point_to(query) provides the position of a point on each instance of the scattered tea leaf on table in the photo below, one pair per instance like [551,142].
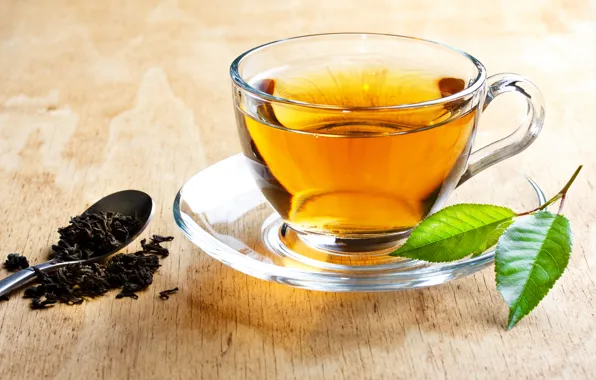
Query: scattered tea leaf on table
[165,294]
[531,255]
[456,232]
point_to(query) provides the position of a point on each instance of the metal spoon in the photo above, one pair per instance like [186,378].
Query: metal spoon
[127,202]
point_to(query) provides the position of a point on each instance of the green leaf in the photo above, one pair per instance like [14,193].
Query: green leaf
[455,232]
[531,255]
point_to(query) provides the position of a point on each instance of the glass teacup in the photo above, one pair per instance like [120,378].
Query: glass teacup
[355,138]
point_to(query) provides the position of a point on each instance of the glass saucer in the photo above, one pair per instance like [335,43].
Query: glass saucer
[222,211]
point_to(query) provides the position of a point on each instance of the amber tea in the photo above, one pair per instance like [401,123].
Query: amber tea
[345,162]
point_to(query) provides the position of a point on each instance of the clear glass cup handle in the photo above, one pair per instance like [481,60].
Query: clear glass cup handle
[522,137]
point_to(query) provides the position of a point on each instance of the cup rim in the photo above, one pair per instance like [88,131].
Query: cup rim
[470,89]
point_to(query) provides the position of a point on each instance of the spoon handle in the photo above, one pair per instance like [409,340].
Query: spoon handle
[21,278]
[16,280]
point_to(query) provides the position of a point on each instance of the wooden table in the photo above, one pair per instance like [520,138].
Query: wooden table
[98,96]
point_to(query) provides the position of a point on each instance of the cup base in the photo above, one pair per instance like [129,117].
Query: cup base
[327,251]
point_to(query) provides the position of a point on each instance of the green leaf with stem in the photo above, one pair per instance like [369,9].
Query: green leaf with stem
[531,255]
[533,247]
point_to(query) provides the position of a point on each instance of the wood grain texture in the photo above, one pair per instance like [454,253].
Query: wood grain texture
[98,96]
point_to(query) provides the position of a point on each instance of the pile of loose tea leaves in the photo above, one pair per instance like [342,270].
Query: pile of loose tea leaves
[92,234]
[129,272]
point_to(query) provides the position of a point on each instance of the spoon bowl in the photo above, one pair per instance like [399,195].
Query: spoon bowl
[126,202]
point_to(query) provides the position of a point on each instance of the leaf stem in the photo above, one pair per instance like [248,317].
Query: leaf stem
[571,180]
[548,203]
[563,197]
[560,195]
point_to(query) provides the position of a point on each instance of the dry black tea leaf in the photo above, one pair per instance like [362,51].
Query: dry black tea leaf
[37,303]
[165,294]
[15,262]
[130,295]
[161,239]
[155,247]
